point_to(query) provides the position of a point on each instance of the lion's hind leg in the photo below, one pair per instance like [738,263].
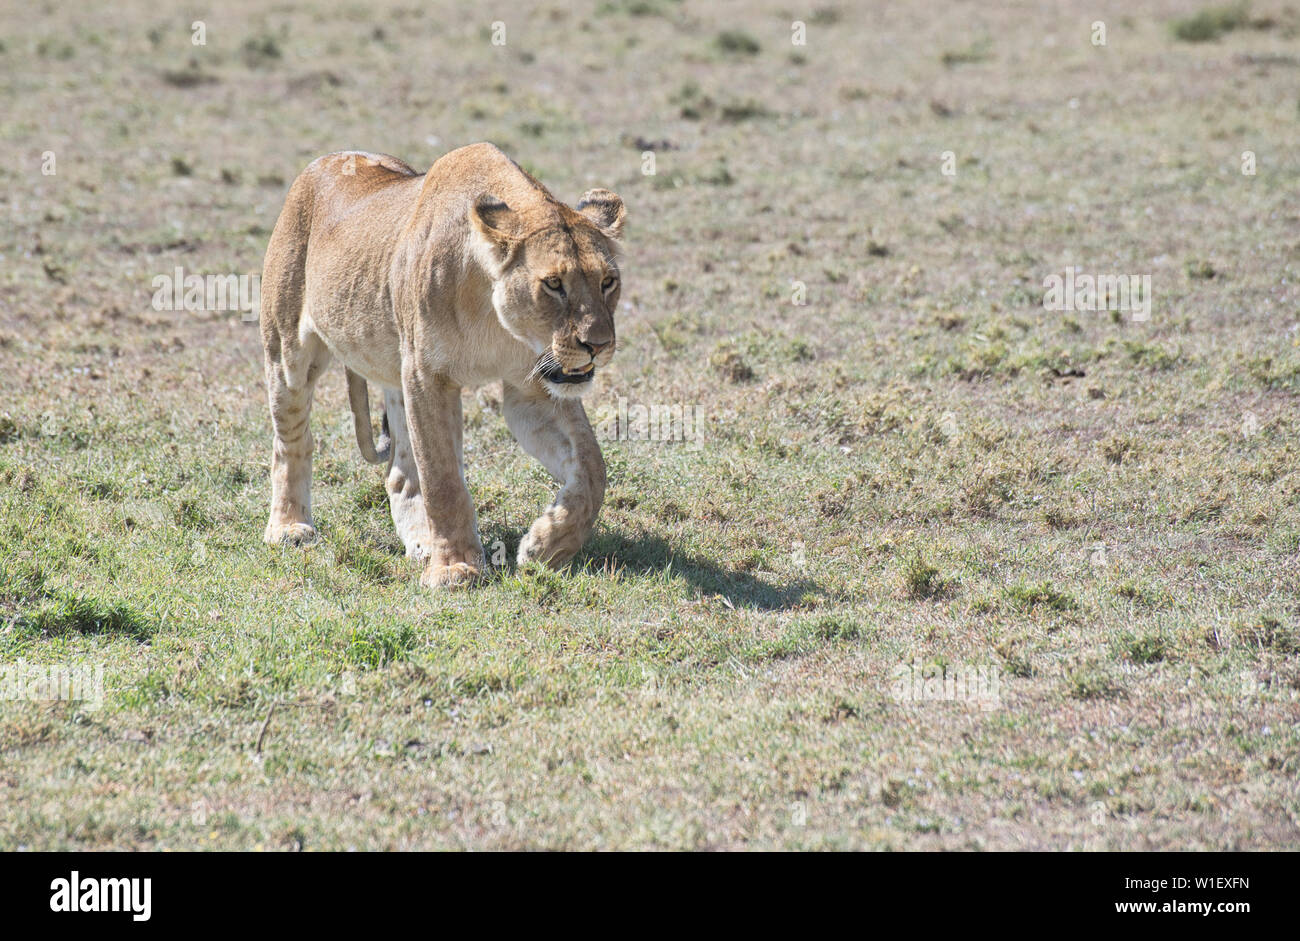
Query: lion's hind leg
[403,482]
[295,358]
[291,374]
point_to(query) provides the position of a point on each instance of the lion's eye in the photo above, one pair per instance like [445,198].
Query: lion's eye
[555,284]
[608,283]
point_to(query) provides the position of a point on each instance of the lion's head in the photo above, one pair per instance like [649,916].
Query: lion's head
[555,281]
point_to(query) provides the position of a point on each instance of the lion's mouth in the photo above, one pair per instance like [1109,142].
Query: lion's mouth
[555,373]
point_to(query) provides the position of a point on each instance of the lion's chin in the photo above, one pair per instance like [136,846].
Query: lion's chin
[569,390]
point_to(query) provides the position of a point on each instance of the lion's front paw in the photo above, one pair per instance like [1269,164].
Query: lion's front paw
[548,544]
[290,534]
[456,575]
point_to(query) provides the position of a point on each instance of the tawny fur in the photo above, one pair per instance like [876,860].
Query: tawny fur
[423,285]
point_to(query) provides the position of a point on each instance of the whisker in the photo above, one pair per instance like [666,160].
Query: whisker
[543,365]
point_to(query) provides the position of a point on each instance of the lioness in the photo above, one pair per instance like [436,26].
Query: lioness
[423,284]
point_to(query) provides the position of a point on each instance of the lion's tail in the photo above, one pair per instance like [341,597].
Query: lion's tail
[359,399]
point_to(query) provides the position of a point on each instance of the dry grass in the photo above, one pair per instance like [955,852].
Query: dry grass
[919,465]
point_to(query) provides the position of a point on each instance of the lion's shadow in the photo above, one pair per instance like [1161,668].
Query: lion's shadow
[647,554]
[644,554]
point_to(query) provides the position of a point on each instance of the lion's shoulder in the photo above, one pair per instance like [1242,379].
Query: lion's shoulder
[461,175]
[360,167]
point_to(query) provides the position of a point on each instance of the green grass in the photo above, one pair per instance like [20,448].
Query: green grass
[1211,22]
[737,42]
[59,615]
[908,461]
[969,55]
[921,579]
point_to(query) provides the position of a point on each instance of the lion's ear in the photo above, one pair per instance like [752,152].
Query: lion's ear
[605,209]
[494,221]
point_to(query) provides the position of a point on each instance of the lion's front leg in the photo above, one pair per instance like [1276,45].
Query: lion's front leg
[434,422]
[557,433]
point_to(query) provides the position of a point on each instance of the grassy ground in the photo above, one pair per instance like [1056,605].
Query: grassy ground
[918,466]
